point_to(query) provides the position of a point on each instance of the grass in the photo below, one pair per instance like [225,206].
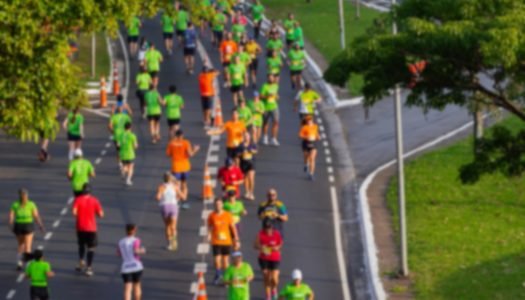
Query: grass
[464,242]
[83,57]
[320,23]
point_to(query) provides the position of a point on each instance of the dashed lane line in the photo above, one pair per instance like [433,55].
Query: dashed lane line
[10,294]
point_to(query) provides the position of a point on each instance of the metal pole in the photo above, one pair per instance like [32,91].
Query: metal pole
[93,55]
[400,172]
[342,24]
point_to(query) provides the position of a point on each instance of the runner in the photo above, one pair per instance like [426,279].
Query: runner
[238,277]
[128,145]
[153,58]
[253,49]
[274,65]
[79,172]
[43,154]
[38,271]
[246,116]
[174,103]
[230,175]
[129,249]
[289,28]
[86,208]
[298,34]
[274,210]
[270,96]
[190,46]
[120,103]
[154,101]
[144,81]
[227,48]
[168,194]
[296,289]
[258,109]
[235,130]
[218,22]
[296,61]
[225,6]
[234,207]
[143,48]
[273,30]
[116,127]
[180,151]
[74,125]
[257,17]
[238,28]
[223,236]
[207,91]
[167,23]
[181,21]
[306,101]
[269,243]
[309,135]
[237,77]
[133,35]
[249,149]
[274,44]
[22,217]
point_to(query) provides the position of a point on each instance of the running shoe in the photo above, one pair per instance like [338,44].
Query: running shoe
[275,142]
[265,140]
[185,205]
[89,272]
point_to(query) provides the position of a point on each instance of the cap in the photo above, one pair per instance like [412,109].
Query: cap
[78,152]
[237,254]
[297,274]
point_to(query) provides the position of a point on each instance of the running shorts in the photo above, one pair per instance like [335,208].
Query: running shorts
[167,35]
[296,72]
[180,33]
[73,137]
[233,152]
[132,277]
[23,228]
[218,36]
[153,74]
[254,65]
[188,51]
[87,238]
[269,264]
[172,122]
[154,117]
[308,145]
[38,293]
[133,38]
[221,250]
[247,166]
[235,88]
[272,115]
[207,102]
[181,176]
[169,210]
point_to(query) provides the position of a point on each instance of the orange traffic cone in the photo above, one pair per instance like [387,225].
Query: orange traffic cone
[103,93]
[116,85]
[201,289]
[207,188]
[218,121]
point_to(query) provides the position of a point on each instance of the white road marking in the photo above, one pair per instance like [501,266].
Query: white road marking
[208,202]
[200,267]
[103,152]
[108,144]
[20,277]
[330,170]
[203,231]
[193,288]
[70,200]
[321,128]
[327,152]
[331,179]
[48,235]
[11,294]
[63,211]
[319,120]
[205,214]
[328,160]
[213,158]
[98,160]
[325,143]
[316,112]
[97,112]
[214,148]
[56,223]
[203,248]
[323,136]
[213,171]
[341,263]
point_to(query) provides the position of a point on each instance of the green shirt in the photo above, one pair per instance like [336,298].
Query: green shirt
[246,59]
[181,20]
[274,44]
[127,145]
[23,214]
[245,115]
[73,126]
[237,72]
[289,28]
[37,271]
[269,94]
[293,292]
[238,30]
[134,27]
[240,287]
[218,22]
[118,121]
[236,209]
[80,170]
[298,36]
[143,81]
[152,98]
[174,103]
[257,112]
[257,12]
[296,59]
[153,58]
[167,23]
[274,65]
[308,99]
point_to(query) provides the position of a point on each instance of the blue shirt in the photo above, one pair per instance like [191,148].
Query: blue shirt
[190,38]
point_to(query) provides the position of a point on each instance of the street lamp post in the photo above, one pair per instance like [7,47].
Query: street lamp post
[400,171]
[342,24]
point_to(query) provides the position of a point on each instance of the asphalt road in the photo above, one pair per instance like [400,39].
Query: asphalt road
[309,242]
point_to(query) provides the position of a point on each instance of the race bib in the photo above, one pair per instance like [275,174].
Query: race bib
[272,99]
[311,138]
[221,236]
[267,250]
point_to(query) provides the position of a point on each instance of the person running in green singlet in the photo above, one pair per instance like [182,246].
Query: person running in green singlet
[274,44]
[116,127]
[153,58]
[167,22]
[296,290]
[234,206]
[296,61]
[181,22]
[289,26]
[298,34]
[257,16]
[258,109]
[153,112]
[237,77]
[74,125]
[237,278]
[133,35]
[270,97]
[218,22]
[79,172]
[38,271]
[128,145]
[143,81]
[274,64]
[174,103]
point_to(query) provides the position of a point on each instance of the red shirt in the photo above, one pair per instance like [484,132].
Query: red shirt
[229,176]
[268,241]
[87,208]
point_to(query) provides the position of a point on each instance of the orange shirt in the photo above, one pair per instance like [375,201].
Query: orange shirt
[309,132]
[228,48]
[206,83]
[179,151]
[234,133]
[219,225]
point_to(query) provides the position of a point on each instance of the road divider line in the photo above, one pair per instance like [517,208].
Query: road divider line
[327,152]
[10,294]
[200,267]
[63,211]
[108,144]
[98,160]
[205,213]
[341,263]
[103,152]
[328,160]
[70,200]
[203,248]
[203,231]
[56,223]
[213,159]
[48,236]
[20,277]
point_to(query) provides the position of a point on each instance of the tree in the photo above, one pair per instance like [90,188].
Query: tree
[474,53]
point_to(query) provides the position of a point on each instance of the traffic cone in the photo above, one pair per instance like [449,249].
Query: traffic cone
[103,93]
[201,289]
[116,85]
[207,188]
[217,120]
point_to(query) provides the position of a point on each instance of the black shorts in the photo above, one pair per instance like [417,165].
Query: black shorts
[308,145]
[233,152]
[247,166]
[153,74]
[235,88]
[140,95]
[180,32]
[207,102]
[218,35]
[167,35]
[73,137]
[221,250]
[154,117]
[289,42]
[189,51]
[38,293]
[127,162]
[23,228]
[87,238]
[133,38]
[78,193]
[116,145]
[132,277]
[269,53]
[172,122]
[254,65]
[296,72]
[269,264]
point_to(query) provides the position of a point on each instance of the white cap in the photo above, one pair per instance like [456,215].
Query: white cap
[297,274]
[78,152]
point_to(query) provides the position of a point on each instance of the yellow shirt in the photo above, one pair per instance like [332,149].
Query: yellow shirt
[252,48]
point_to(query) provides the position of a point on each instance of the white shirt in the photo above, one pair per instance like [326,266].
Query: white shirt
[130,261]
[169,195]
